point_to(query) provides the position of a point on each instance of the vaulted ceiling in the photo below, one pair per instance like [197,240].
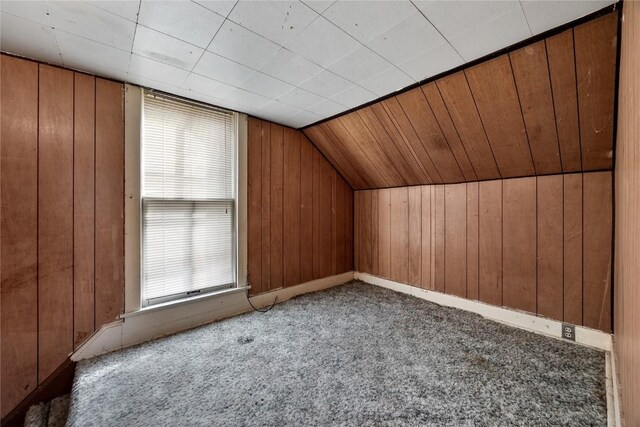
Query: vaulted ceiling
[545,108]
[291,62]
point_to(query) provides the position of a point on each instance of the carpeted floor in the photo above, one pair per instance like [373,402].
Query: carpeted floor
[352,355]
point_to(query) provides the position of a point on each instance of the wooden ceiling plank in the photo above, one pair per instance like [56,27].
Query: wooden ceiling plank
[418,112]
[531,73]
[402,123]
[359,153]
[562,69]
[388,144]
[401,144]
[337,158]
[443,119]
[595,50]
[356,127]
[494,91]
[460,105]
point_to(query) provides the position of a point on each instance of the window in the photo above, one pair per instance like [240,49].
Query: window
[188,199]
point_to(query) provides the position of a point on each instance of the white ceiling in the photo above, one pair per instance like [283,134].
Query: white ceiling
[292,62]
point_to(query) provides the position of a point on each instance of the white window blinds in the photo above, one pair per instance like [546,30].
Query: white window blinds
[187,198]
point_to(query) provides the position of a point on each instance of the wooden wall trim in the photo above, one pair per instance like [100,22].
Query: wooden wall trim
[536,244]
[546,107]
[626,288]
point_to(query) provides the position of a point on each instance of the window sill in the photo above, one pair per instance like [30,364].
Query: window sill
[183,301]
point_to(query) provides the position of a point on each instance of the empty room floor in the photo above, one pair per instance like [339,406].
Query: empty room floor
[356,354]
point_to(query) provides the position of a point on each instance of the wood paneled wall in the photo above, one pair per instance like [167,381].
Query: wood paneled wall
[62,217]
[546,108]
[627,235]
[538,244]
[300,211]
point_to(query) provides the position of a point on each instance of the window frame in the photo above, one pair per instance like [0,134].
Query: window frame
[134,285]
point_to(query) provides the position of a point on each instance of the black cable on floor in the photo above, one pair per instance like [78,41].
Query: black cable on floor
[259,310]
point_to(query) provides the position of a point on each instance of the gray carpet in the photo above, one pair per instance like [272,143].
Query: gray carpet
[352,355]
[48,414]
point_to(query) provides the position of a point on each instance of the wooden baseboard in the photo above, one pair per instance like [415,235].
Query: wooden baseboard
[56,384]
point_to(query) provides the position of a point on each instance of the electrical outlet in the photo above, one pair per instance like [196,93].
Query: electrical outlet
[569,331]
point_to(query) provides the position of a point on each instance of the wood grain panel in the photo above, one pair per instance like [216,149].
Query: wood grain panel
[438,246]
[334,223]
[627,219]
[405,127]
[572,243]
[519,244]
[384,225]
[597,217]
[55,218]
[389,146]
[399,140]
[291,207]
[322,171]
[496,97]
[109,233]
[254,199]
[349,219]
[277,200]
[490,242]
[426,281]
[550,246]
[464,114]
[375,234]
[562,72]
[417,109]
[443,119]
[83,207]
[19,245]
[472,240]
[415,235]
[306,210]
[399,234]
[531,73]
[595,50]
[455,237]
[366,232]
[357,222]
[266,206]
[325,141]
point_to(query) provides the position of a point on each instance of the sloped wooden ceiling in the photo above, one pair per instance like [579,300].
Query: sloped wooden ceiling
[545,108]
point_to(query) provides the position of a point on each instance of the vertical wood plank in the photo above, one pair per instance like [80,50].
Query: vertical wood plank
[306,210]
[375,234]
[562,70]
[349,225]
[277,200]
[321,216]
[572,244]
[384,225]
[495,94]
[426,238]
[334,223]
[343,230]
[595,50]
[490,242]
[254,196]
[367,225]
[19,244]
[399,235]
[266,206]
[531,73]
[459,101]
[519,244]
[597,236]
[472,240]
[439,238]
[550,246]
[357,222]
[456,240]
[291,210]
[55,219]
[415,235]
[83,206]
[109,232]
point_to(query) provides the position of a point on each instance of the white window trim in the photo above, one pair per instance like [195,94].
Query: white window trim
[132,204]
